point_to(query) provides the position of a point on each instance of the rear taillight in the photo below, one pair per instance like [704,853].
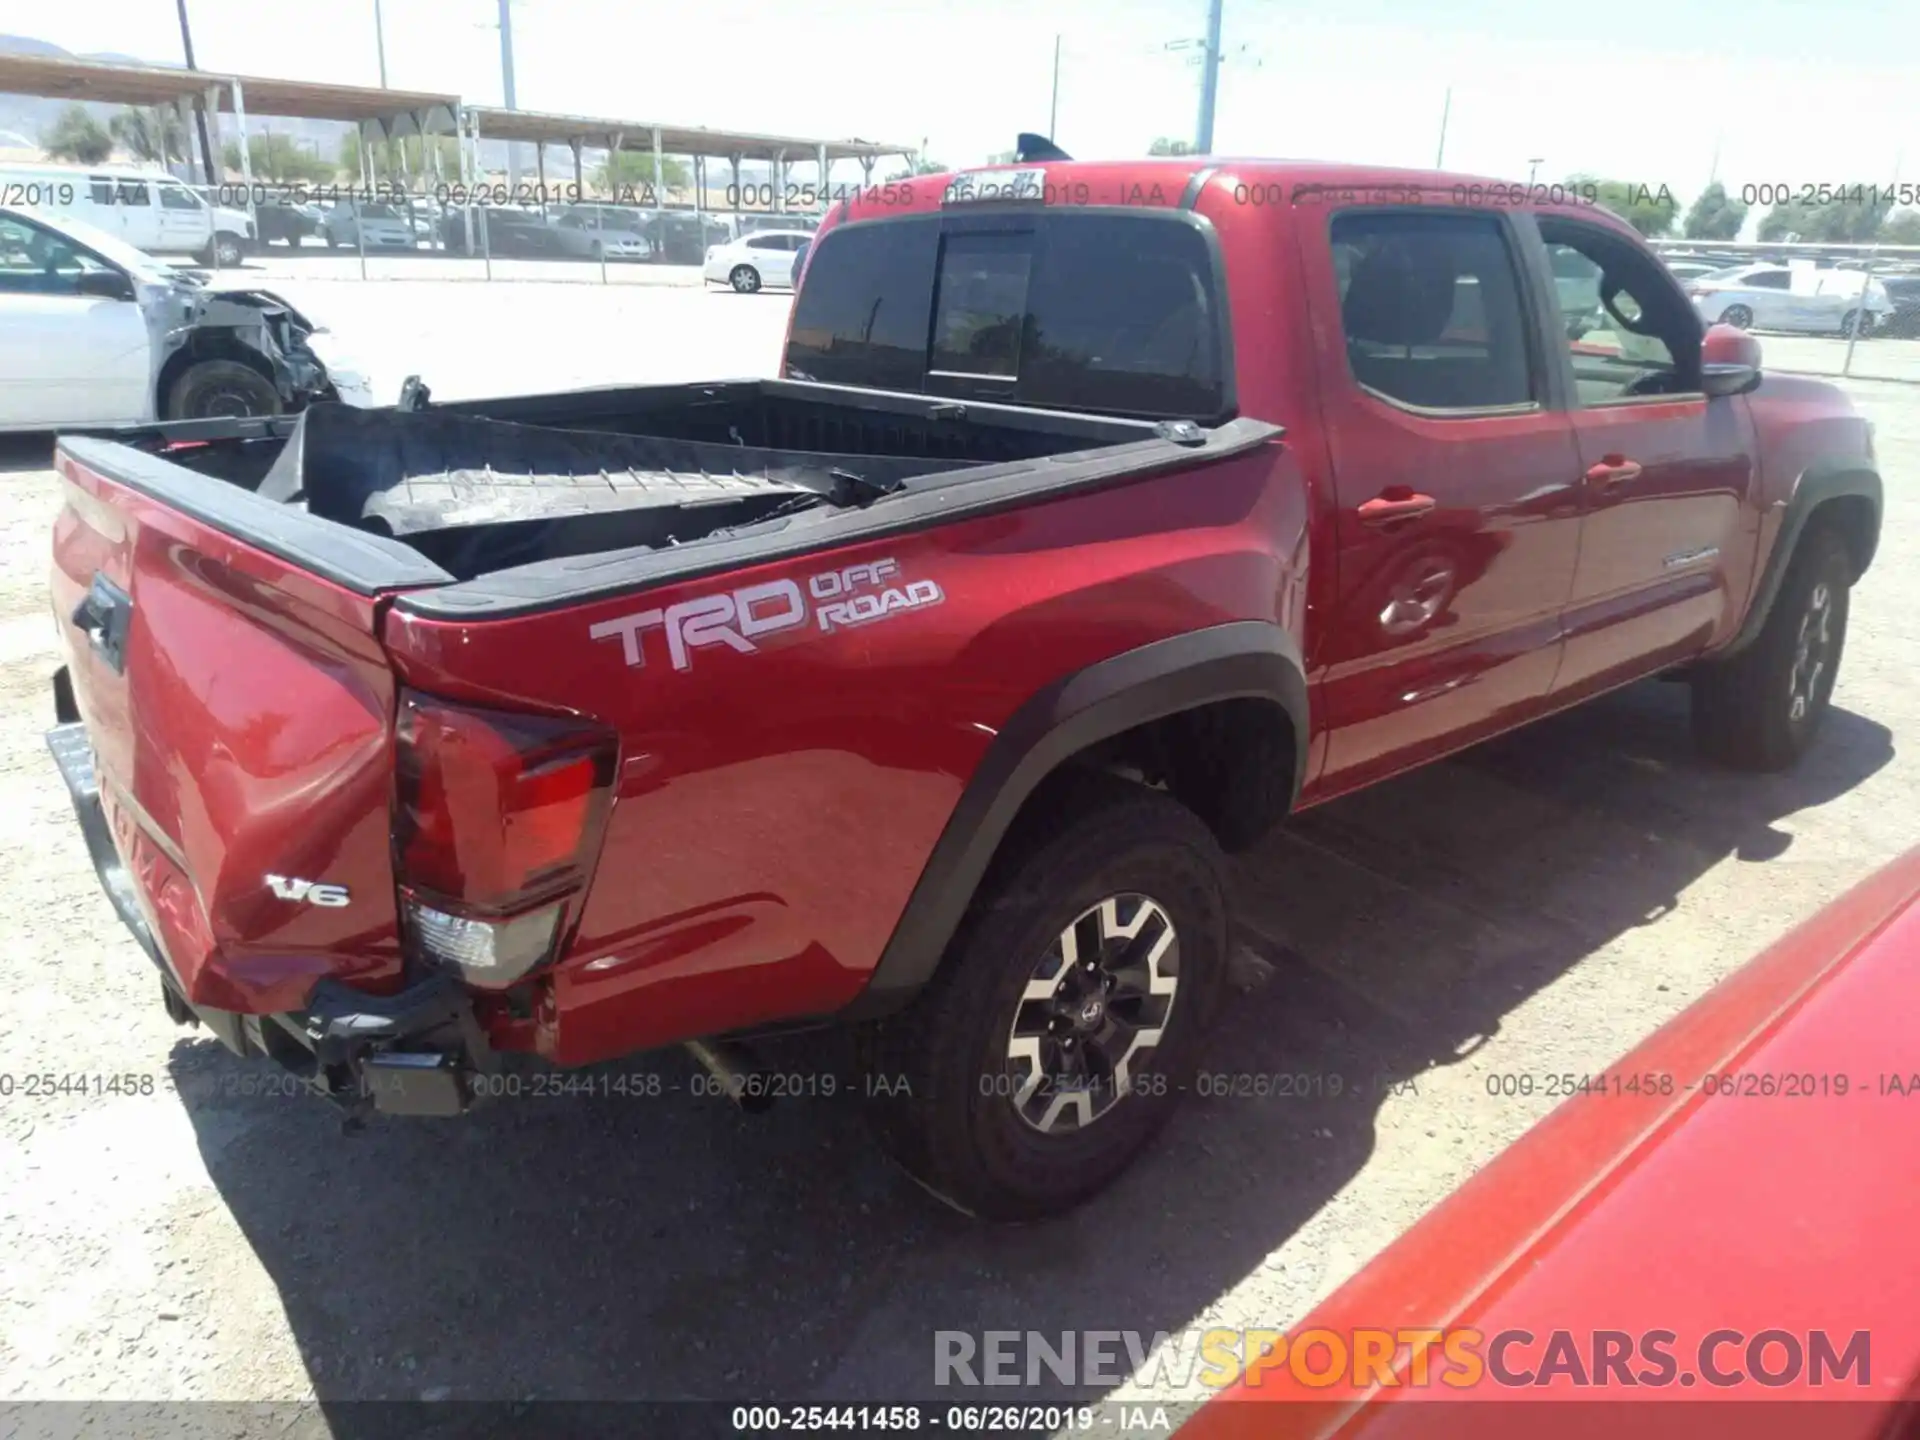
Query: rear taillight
[497,818]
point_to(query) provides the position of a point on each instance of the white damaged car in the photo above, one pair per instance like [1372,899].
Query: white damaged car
[95,332]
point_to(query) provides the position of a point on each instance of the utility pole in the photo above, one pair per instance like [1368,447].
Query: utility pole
[1533,169]
[1053,110]
[1446,109]
[1209,79]
[199,101]
[380,43]
[506,86]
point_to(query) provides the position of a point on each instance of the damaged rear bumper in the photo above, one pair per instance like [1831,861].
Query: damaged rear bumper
[415,1052]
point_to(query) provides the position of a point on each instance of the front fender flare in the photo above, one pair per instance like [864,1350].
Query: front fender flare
[1241,659]
[1819,483]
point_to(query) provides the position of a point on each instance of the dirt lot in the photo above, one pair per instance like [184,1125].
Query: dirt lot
[1535,906]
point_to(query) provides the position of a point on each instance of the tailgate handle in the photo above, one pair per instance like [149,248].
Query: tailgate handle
[105,614]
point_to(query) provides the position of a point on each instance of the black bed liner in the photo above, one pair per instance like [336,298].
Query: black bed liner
[474,493]
[505,506]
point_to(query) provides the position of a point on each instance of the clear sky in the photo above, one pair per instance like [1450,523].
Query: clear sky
[1639,90]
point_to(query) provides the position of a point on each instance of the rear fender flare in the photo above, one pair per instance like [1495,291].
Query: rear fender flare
[1241,659]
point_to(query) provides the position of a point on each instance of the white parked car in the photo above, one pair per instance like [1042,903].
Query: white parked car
[151,212]
[380,225]
[745,225]
[1780,297]
[1685,270]
[593,232]
[763,258]
[95,332]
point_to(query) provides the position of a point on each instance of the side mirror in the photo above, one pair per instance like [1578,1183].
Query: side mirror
[104,285]
[1721,380]
[1729,361]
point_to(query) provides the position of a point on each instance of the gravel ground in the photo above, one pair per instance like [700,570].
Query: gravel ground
[1535,906]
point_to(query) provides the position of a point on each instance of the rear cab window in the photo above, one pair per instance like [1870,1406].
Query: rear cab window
[1083,309]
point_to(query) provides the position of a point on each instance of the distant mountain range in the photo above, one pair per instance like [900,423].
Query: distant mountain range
[27,116]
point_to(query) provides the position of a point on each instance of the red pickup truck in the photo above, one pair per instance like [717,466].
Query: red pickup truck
[1104,514]
[1708,1224]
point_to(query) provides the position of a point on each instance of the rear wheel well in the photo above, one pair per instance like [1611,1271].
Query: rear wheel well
[1230,761]
[1852,517]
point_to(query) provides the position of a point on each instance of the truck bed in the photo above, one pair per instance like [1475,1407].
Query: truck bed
[477,488]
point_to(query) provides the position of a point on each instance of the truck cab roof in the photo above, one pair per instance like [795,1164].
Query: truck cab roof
[1179,182]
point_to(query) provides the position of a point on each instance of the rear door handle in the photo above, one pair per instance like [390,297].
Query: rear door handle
[1612,470]
[1384,510]
[105,613]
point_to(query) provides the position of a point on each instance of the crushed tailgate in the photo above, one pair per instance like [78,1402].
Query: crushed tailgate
[237,712]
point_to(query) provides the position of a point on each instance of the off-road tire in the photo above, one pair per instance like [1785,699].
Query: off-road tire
[1743,709]
[930,1071]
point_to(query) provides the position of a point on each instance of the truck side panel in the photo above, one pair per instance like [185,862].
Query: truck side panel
[782,785]
[1277,357]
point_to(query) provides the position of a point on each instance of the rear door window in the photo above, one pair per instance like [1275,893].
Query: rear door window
[1073,310]
[1430,304]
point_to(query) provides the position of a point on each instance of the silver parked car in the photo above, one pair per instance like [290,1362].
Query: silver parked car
[380,225]
[593,231]
[1778,297]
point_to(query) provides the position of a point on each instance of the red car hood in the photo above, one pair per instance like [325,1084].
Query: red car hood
[1735,1204]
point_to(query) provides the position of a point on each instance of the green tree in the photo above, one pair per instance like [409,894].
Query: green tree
[920,164]
[154,136]
[1713,216]
[278,159]
[1166,146]
[408,158]
[1650,209]
[1783,221]
[1855,222]
[1902,229]
[629,173]
[420,151]
[77,136]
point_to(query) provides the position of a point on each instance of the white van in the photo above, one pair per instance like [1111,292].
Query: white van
[151,212]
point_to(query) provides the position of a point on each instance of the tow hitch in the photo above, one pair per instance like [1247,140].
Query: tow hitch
[414,1053]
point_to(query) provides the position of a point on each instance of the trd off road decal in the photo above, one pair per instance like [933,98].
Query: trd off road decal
[831,600]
